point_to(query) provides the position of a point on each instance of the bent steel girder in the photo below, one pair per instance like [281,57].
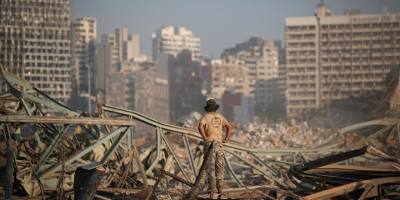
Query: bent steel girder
[54,140]
[359,173]
[373,132]
[47,166]
[25,91]
[235,153]
[107,142]
[365,186]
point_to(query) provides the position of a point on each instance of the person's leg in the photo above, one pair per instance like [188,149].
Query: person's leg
[208,178]
[203,176]
[211,170]
[219,167]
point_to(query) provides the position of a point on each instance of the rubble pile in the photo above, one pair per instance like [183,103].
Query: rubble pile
[190,121]
[63,154]
[285,135]
[263,134]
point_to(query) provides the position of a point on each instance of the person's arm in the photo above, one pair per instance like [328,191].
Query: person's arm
[228,134]
[202,131]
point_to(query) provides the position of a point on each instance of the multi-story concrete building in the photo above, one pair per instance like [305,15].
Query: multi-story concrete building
[120,89]
[127,45]
[152,93]
[118,48]
[172,40]
[185,85]
[332,57]
[83,62]
[140,87]
[110,43]
[237,107]
[107,58]
[227,75]
[282,67]
[114,51]
[259,59]
[35,44]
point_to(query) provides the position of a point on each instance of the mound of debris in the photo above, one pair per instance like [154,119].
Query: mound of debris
[50,151]
[285,135]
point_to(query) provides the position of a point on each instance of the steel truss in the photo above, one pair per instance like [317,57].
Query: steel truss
[49,141]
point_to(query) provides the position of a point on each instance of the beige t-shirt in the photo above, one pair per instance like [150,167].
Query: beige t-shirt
[213,123]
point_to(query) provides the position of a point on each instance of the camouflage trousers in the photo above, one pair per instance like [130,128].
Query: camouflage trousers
[215,167]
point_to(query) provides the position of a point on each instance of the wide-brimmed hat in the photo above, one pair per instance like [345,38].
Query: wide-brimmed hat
[211,105]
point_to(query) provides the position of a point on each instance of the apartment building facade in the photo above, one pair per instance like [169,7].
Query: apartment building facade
[84,36]
[115,50]
[172,40]
[259,60]
[141,87]
[127,45]
[258,57]
[152,93]
[35,44]
[226,75]
[332,57]
[185,85]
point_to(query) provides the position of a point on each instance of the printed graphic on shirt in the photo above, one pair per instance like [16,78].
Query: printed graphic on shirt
[216,122]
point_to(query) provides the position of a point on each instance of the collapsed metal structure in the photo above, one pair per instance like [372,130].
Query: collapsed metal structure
[52,151]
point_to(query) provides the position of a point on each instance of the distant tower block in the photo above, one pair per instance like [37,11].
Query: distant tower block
[35,44]
[172,40]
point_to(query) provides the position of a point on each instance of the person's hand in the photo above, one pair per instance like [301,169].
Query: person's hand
[224,141]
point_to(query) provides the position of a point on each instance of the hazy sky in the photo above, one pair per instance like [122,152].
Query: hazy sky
[218,23]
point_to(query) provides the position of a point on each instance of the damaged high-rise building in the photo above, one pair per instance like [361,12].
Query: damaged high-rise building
[115,51]
[172,40]
[186,82]
[84,34]
[259,59]
[142,87]
[332,57]
[35,44]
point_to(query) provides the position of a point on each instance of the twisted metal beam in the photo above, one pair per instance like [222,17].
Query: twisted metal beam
[116,136]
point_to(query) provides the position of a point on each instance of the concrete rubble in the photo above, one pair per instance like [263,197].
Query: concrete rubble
[263,134]
[285,135]
[64,154]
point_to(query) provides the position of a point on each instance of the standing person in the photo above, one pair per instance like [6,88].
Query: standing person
[211,129]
